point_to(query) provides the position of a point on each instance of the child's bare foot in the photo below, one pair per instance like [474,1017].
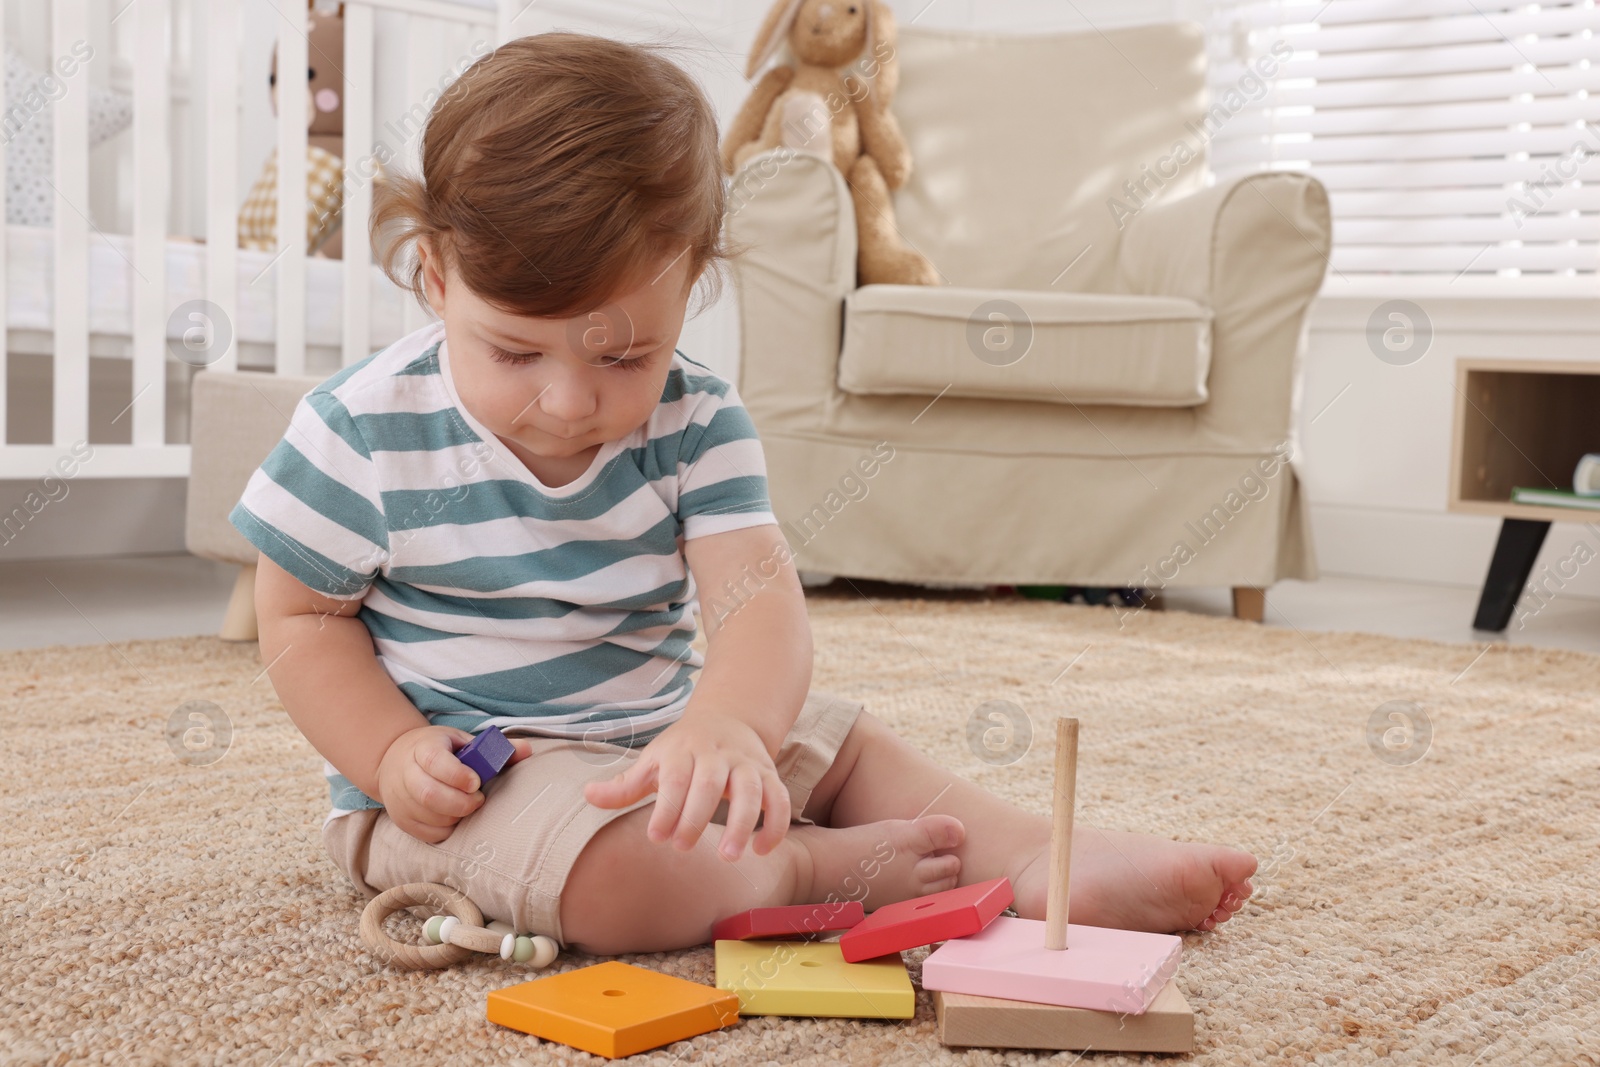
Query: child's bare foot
[1139,882]
[878,863]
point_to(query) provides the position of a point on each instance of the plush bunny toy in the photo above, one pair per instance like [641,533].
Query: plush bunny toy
[258,218]
[816,104]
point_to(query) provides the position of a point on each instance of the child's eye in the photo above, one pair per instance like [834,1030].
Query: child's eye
[500,355]
[636,363]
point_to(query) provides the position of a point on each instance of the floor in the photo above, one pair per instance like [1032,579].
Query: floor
[83,601]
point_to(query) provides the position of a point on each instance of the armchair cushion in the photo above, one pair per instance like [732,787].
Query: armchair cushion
[1062,348]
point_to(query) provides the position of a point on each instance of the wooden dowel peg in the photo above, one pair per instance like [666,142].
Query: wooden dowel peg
[1055,928]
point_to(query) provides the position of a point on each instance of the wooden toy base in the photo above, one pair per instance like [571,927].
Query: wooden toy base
[985,1022]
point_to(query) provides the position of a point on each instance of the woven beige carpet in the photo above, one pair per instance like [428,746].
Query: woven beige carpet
[1436,911]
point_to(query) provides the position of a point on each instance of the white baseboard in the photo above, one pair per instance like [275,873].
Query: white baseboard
[144,516]
[1444,548]
[95,517]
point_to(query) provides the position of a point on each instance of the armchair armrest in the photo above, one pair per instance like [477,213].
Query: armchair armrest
[1254,250]
[1230,242]
[791,228]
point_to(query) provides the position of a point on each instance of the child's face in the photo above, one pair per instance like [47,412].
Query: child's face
[569,384]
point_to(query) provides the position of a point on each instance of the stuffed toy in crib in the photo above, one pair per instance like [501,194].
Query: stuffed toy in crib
[258,219]
[832,98]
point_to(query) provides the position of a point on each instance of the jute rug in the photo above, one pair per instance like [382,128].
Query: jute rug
[1432,910]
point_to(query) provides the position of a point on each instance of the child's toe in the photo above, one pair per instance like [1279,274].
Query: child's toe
[935,833]
[1234,896]
[936,871]
[1234,867]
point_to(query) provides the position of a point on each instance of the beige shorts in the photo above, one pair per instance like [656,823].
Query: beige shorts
[512,856]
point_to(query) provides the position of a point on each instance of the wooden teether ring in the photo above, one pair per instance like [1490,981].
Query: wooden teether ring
[429,894]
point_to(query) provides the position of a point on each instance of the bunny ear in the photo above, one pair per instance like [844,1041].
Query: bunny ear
[882,38]
[772,33]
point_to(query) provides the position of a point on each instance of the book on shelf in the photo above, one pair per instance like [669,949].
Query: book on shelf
[1554,498]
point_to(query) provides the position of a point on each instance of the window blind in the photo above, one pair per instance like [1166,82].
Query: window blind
[1456,137]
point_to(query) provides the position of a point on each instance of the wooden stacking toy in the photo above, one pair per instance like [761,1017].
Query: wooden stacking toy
[986,1022]
[924,920]
[487,753]
[813,979]
[795,920]
[1115,974]
[613,1009]
[997,981]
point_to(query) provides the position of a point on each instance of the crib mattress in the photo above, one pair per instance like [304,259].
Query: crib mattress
[30,289]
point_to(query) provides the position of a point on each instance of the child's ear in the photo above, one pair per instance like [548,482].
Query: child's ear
[432,270]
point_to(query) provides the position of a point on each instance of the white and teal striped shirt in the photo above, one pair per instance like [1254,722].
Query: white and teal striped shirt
[493,599]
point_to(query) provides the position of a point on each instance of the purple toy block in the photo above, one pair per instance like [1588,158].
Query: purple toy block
[486,753]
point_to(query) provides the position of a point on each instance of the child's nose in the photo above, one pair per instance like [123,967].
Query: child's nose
[568,398]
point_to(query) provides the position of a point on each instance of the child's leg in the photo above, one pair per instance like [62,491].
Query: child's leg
[1129,881]
[627,894]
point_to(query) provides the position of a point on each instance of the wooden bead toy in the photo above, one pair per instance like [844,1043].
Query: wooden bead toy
[795,920]
[813,979]
[1166,1026]
[451,938]
[924,920]
[487,753]
[613,1009]
[1052,962]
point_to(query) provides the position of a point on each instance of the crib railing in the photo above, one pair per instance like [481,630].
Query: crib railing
[150,453]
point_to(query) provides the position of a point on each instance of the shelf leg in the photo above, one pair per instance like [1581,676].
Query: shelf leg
[1519,544]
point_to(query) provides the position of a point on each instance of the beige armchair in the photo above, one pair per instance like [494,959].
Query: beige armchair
[1103,391]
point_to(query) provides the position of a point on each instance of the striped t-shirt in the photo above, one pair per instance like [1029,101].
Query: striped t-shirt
[491,598]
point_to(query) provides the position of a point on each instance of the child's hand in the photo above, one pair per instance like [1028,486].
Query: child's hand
[693,765]
[425,788]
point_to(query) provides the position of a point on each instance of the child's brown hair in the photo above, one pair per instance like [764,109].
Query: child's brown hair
[555,170]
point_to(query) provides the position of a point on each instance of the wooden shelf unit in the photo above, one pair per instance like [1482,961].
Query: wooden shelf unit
[1519,423]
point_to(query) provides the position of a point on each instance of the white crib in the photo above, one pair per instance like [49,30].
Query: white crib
[73,291]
